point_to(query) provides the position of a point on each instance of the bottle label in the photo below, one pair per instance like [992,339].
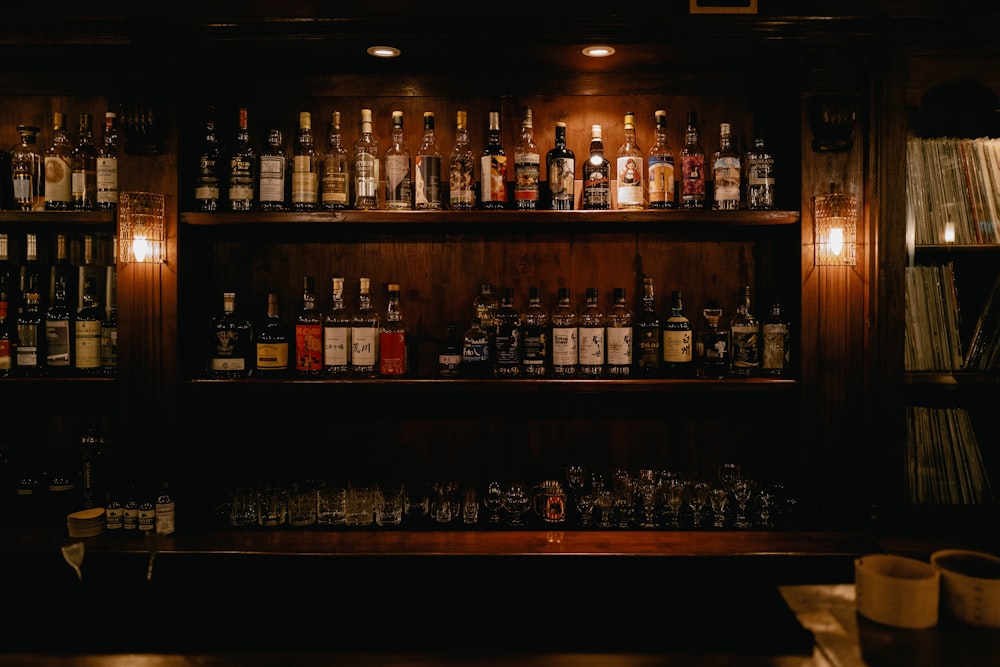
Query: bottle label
[308,348]
[165,518]
[535,344]
[562,179]
[677,346]
[392,353]
[364,346]
[746,350]
[113,517]
[461,182]
[507,344]
[336,346]
[130,518]
[661,180]
[88,344]
[427,181]
[146,518]
[649,349]
[775,356]
[629,182]
[241,186]
[494,170]
[272,356]
[366,175]
[57,339]
[107,180]
[272,178]
[334,185]
[591,351]
[526,171]
[305,180]
[6,363]
[693,177]
[564,346]
[397,181]
[27,355]
[726,175]
[619,341]
[109,345]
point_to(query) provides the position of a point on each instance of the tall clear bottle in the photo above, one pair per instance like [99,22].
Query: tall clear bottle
[461,168]
[536,342]
[336,174]
[678,341]
[230,353]
[366,165]
[59,316]
[83,187]
[273,168]
[493,169]
[398,168]
[392,358]
[305,167]
[758,177]
[592,330]
[208,184]
[427,169]
[59,167]
[28,170]
[692,166]
[107,165]
[337,333]
[308,333]
[87,332]
[242,168]
[649,336]
[31,347]
[776,355]
[565,333]
[744,337]
[527,163]
[272,343]
[726,173]
[596,174]
[364,334]
[660,163]
[560,165]
[619,336]
[507,337]
[629,169]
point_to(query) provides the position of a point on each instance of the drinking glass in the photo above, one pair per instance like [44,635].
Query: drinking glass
[493,501]
[623,488]
[585,501]
[648,491]
[674,495]
[697,497]
[517,502]
[718,498]
[743,489]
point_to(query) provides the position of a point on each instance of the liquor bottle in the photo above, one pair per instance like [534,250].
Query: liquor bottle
[493,167]
[366,165]
[107,165]
[744,338]
[242,168]
[678,341]
[726,173]
[130,510]
[392,361]
[334,186]
[758,164]
[776,355]
[271,348]
[114,511]
[208,186]
[592,355]
[305,167]
[109,326]
[93,478]
[87,332]
[660,165]
[59,317]
[31,348]
[692,166]
[364,334]
[146,512]
[565,350]
[560,165]
[59,167]
[712,346]
[28,170]
[8,331]
[507,340]
[272,167]
[308,333]
[619,337]
[450,356]
[461,168]
[230,343]
[165,507]
[427,169]
[398,168]
[477,362]
[596,174]
[536,341]
[337,334]
[648,334]
[629,169]
[83,184]
[527,161]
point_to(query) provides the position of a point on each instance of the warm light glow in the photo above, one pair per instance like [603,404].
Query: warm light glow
[836,241]
[140,248]
[383,51]
[140,227]
[599,51]
[835,229]
[949,232]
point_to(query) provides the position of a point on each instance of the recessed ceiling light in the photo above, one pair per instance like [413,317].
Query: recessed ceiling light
[599,51]
[383,51]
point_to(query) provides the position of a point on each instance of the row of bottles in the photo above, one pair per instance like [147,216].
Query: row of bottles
[307,179]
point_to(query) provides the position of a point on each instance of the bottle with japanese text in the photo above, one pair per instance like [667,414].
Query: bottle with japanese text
[591,337]
[308,333]
[83,187]
[109,325]
[596,174]
[364,334]
[565,332]
[692,166]
[305,167]
[427,169]
[776,355]
[660,166]
[648,334]
[527,164]
[726,173]
[629,169]
[618,336]
[493,169]
[461,168]
[87,332]
[507,339]
[744,338]
[28,170]
[712,346]
[366,165]
[208,184]
[272,343]
[678,341]
[230,351]
[398,168]
[484,306]
[560,165]
[536,341]
[477,358]
[335,177]
[758,163]
[59,167]
[31,349]
[107,165]
[59,316]
[272,166]
[337,333]
[392,359]
[450,355]
[242,168]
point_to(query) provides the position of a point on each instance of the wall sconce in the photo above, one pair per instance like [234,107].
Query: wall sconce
[832,121]
[836,226]
[140,227]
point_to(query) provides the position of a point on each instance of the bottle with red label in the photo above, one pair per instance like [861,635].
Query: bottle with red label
[392,338]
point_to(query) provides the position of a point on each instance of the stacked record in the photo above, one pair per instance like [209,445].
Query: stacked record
[86,523]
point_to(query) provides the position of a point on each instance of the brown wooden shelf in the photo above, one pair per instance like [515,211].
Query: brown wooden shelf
[56,218]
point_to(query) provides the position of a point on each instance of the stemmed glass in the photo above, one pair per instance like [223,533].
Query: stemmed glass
[743,489]
[697,496]
[648,490]
[493,501]
[624,497]
[718,498]
[517,502]
[675,499]
[576,479]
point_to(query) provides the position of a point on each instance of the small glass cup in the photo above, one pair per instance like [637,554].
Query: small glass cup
[331,501]
[360,506]
[389,502]
[272,506]
[302,504]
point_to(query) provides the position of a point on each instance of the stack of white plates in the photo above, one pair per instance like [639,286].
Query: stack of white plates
[86,523]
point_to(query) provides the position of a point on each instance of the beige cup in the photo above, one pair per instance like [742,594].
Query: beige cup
[970,586]
[897,591]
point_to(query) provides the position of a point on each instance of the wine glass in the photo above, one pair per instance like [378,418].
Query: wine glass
[675,499]
[718,498]
[743,489]
[517,502]
[493,501]
[648,490]
[586,499]
[697,497]
[623,488]
[576,478]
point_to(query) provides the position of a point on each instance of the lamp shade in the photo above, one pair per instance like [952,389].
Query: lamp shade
[140,227]
[836,223]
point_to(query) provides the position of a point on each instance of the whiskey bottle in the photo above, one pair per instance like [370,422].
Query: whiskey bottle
[87,332]
[242,168]
[493,167]
[507,340]
[648,334]
[776,355]
[59,167]
[272,343]
[165,508]
[692,166]
[130,510]
[337,334]
[450,356]
[678,341]
[596,174]
[28,170]
[726,173]
[484,306]
[83,187]
[59,316]
[758,164]
[565,332]
[660,164]
[744,338]
[560,165]
[334,188]
[272,167]
[109,326]
[427,169]
[527,161]
[629,166]
[230,351]
[364,335]
[392,360]
[461,168]
[107,165]
[712,347]
[208,185]
[305,167]
[366,165]
[8,332]
[618,336]
[94,471]
[398,168]
[146,511]
[536,351]
[592,354]
[31,349]
[477,362]
[308,333]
